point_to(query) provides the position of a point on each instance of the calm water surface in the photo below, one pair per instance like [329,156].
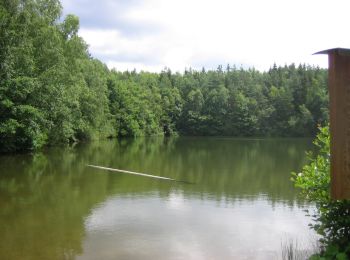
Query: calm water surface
[242,204]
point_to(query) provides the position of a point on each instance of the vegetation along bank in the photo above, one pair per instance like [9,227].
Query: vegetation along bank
[52,91]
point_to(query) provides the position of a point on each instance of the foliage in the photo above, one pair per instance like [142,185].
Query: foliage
[52,91]
[332,217]
[332,252]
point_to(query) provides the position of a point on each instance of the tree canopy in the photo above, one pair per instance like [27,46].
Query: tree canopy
[52,91]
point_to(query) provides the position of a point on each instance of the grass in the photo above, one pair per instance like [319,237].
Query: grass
[291,250]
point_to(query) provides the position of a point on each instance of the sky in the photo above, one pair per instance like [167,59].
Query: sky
[150,35]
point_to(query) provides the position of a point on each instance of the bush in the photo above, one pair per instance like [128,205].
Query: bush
[331,219]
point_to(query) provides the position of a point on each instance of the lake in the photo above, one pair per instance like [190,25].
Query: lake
[239,204]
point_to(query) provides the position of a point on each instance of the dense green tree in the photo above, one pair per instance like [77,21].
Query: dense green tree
[52,91]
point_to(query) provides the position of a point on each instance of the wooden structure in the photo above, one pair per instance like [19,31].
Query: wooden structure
[339,97]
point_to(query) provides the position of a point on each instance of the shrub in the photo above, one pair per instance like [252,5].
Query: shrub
[331,218]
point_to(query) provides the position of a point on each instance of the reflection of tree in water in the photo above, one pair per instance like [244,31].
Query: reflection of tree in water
[44,198]
[220,167]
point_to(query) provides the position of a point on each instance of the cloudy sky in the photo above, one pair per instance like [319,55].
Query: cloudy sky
[178,34]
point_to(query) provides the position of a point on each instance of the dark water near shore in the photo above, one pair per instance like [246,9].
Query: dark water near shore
[241,205]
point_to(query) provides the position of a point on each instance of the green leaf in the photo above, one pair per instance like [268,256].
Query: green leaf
[341,256]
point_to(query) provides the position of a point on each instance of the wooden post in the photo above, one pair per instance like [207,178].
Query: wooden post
[339,97]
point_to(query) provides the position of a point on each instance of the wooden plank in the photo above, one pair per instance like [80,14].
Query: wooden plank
[339,93]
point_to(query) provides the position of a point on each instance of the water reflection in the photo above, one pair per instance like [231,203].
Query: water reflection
[53,207]
[132,228]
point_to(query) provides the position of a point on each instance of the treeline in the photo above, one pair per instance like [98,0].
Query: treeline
[52,91]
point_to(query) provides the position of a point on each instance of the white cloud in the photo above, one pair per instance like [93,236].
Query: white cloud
[196,33]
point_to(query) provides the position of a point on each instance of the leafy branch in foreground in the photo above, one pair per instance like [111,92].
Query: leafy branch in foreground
[331,219]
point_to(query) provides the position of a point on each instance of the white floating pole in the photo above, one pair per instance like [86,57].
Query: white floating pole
[130,172]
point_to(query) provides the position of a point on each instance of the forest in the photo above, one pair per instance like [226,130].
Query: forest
[52,91]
